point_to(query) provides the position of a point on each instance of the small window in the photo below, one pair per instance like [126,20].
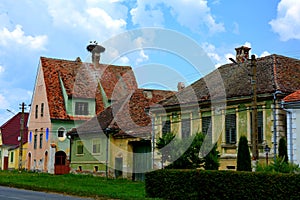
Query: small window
[61,132]
[79,147]
[36,111]
[81,108]
[41,140]
[95,168]
[260,127]
[30,137]
[11,156]
[230,128]
[35,141]
[185,127]
[42,109]
[96,146]
[166,126]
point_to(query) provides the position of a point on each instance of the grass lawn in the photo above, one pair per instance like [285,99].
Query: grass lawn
[79,185]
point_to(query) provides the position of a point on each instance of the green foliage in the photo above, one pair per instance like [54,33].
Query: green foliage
[184,154]
[211,160]
[225,185]
[282,149]
[279,166]
[164,148]
[243,155]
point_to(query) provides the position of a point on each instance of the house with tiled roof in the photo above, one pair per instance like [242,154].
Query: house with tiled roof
[291,105]
[220,105]
[119,137]
[10,142]
[66,94]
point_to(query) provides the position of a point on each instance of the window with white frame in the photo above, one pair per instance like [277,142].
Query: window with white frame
[81,108]
[96,146]
[79,147]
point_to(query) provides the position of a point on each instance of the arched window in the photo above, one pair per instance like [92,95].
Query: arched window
[61,134]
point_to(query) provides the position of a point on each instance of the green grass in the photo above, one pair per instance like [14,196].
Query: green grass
[79,185]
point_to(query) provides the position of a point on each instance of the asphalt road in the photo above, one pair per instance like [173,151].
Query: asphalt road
[7,193]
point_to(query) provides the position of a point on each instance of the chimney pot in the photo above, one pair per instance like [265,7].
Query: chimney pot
[95,49]
[242,54]
[180,86]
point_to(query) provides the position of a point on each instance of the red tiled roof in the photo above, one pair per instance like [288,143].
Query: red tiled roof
[10,130]
[274,72]
[81,80]
[292,97]
[126,117]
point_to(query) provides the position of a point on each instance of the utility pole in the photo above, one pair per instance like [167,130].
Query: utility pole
[255,154]
[21,136]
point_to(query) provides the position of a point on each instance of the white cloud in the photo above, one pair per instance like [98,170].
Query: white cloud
[2,69]
[265,53]
[142,57]
[189,13]
[287,23]
[4,103]
[98,18]
[18,37]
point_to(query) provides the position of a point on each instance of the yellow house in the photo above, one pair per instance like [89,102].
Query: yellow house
[13,157]
[10,133]
[220,105]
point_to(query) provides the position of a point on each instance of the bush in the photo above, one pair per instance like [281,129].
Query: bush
[279,166]
[282,150]
[243,155]
[205,184]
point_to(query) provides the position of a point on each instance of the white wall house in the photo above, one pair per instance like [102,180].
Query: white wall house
[291,104]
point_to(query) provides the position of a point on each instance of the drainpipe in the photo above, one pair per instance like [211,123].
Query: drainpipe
[289,132]
[275,123]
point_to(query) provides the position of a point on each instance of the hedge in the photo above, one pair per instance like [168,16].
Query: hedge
[203,184]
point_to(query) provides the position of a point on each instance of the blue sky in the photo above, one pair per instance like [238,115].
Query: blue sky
[62,29]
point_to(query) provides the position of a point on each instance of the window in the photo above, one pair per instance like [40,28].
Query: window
[35,141]
[81,108]
[41,140]
[166,126]
[230,128]
[96,146]
[260,127]
[42,109]
[185,127]
[79,147]
[36,111]
[206,125]
[11,156]
[61,132]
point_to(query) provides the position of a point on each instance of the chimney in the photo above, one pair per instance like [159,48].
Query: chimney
[242,54]
[180,86]
[95,49]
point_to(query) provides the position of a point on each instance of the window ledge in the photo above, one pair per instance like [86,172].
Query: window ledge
[229,146]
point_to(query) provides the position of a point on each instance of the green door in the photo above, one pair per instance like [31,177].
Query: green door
[141,159]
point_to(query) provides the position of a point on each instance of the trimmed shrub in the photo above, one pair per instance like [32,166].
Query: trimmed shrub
[282,150]
[243,155]
[231,185]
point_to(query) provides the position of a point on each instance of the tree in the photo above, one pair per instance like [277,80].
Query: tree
[243,156]
[282,149]
[212,159]
[184,153]
[164,148]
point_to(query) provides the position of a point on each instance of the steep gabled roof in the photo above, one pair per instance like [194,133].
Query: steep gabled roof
[126,117]
[274,72]
[10,130]
[83,80]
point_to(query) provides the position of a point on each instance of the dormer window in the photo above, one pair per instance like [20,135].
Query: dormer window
[81,108]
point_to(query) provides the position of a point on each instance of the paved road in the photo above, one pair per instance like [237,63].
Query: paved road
[7,193]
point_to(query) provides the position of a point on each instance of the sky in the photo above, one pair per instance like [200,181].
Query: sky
[62,29]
